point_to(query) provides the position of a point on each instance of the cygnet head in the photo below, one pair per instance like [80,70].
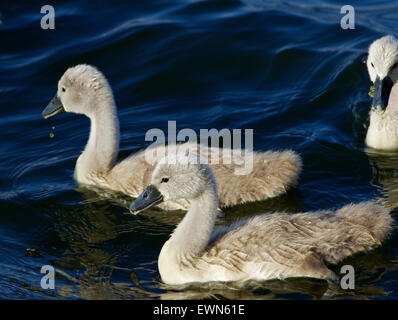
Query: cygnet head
[176,176]
[382,66]
[79,90]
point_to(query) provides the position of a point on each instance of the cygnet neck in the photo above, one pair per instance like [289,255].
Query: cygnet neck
[100,153]
[193,233]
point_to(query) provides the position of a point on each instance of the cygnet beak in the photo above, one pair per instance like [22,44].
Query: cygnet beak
[382,93]
[54,107]
[148,198]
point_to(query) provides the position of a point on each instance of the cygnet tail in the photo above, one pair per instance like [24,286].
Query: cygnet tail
[361,227]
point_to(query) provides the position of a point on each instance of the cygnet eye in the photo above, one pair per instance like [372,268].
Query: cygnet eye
[372,64]
[63,89]
[164,180]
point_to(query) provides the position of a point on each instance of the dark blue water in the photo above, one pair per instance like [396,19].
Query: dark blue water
[285,69]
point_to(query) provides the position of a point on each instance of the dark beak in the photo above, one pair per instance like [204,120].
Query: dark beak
[382,93]
[150,197]
[54,107]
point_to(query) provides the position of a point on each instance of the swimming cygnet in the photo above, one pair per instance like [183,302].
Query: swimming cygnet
[83,89]
[268,246]
[382,66]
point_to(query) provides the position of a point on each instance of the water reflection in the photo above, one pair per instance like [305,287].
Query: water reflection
[88,244]
[385,175]
[92,288]
[293,288]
